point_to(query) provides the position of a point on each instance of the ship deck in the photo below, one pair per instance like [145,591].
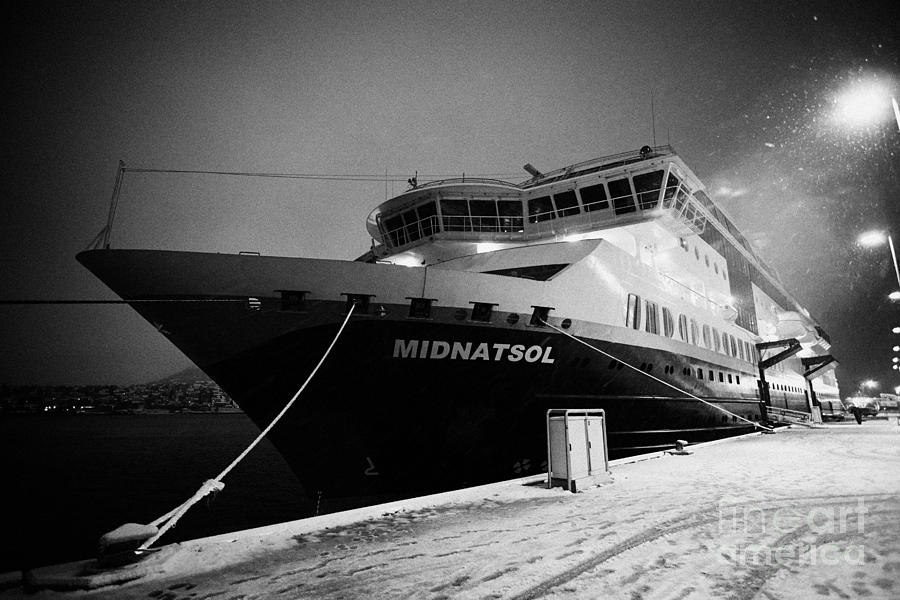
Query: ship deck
[806,512]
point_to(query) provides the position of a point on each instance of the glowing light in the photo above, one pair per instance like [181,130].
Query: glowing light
[895,295]
[895,359]
[870,383]
[895,330]
[487,247]
[863,104]
[896,348]
[871,238]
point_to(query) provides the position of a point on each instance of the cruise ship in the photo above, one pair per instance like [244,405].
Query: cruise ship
[615,283]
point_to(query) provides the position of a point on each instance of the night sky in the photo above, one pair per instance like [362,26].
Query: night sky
[749,94]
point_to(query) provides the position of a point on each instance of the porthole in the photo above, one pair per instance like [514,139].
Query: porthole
[513,318]
[460,314]
[566,323]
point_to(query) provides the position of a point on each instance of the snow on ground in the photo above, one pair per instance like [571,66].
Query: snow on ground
[804,513]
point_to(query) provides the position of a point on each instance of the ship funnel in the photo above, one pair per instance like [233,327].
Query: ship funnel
[534,172]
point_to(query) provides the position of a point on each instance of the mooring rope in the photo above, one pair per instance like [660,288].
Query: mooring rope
[215,485]
[676,388]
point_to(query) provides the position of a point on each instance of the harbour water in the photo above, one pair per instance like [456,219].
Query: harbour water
[69,479]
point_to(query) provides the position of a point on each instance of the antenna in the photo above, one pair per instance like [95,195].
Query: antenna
[653,117]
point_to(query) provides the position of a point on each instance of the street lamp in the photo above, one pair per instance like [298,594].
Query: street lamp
[876,238]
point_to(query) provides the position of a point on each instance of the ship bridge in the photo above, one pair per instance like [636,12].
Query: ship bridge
[617,190]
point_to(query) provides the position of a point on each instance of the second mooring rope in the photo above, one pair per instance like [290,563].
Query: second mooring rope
[677,389]
[215,485]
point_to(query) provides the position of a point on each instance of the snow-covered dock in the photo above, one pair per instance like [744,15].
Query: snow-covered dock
[802,513]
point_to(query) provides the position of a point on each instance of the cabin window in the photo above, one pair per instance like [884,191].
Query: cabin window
[682,328]
[738,378]
[721,377]
[566,203]
[716,342]
[622,197]
[683,243]
[293,300]
[633,314]
[695,333]
[482,311]
[711,375]
[706,341]
[510,212]
[729,378]
[699,373]
[420,308]
[651,324]
[647,186]
[671,188]
[540,209]
[668,322]
[593,197]
[456,215]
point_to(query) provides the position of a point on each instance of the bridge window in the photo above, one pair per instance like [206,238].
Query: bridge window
[695,331]
[484,215]
[647,186]
[740,347]
[396,230]
[566,203]
[633,315]
[734,352]
[671,189]
[622,196]
[593,197]
[716,342]
[428,218]
[540,209]
[725,343]
[510,215]
[456,215]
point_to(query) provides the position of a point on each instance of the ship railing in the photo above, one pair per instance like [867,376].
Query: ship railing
[598,164]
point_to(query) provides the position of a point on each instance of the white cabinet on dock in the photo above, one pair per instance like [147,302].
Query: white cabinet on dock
[576,448]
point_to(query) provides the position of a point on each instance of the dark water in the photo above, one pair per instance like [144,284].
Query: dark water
[69,479]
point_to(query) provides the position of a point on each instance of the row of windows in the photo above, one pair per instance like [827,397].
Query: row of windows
[624,195]
[735,378]
[786,388]
[689,331]
[715,265]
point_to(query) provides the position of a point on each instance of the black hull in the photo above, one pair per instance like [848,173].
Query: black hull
[372,424]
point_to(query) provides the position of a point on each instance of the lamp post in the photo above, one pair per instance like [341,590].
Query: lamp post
[876,238]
